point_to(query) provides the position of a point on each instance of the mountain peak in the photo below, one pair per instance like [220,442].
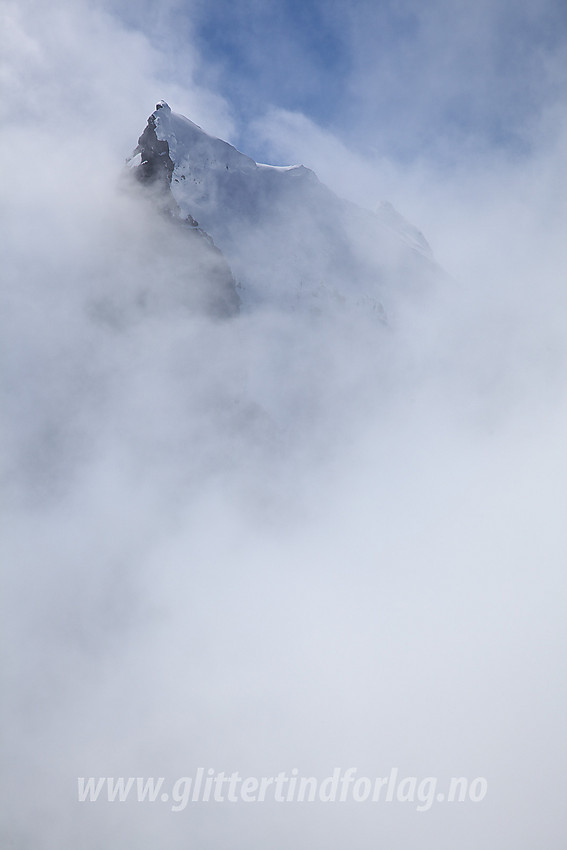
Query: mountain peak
[288,238]
[210,284]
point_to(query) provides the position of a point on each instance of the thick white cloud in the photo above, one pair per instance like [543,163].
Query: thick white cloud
[370,574]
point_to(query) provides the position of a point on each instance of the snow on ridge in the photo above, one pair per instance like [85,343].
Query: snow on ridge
[391,218]
[283,168]
[278,167]
[185,138]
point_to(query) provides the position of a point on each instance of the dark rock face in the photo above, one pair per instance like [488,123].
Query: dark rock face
[156,165]
[210,283]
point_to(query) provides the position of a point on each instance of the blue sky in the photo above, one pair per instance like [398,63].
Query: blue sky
[263,51]
[405,78]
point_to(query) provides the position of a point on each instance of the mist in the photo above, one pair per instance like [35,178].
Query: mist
[283,539]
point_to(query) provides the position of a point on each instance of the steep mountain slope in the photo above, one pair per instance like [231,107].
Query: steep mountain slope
[192,267]
[290,241]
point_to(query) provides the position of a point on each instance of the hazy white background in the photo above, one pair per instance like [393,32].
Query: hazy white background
[255,546]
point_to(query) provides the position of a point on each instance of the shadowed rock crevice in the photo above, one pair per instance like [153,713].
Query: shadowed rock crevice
[157,165]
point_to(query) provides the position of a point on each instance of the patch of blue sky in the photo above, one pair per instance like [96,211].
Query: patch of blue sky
[288,54]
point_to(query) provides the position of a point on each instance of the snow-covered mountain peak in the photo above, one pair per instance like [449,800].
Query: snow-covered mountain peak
[190,145]
[290,241]
[183,135]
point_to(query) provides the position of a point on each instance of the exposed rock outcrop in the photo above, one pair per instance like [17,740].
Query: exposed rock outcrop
[208,274]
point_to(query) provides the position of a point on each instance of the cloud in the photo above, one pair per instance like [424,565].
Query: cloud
[77,64]
[273,543]
[438,78]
